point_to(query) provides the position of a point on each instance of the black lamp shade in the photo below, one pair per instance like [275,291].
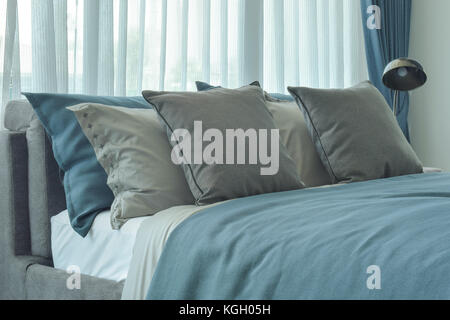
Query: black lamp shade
[404,75]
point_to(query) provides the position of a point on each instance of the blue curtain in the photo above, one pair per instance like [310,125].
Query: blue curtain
[386,44]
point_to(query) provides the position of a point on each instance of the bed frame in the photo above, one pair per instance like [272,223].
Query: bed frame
[30,194]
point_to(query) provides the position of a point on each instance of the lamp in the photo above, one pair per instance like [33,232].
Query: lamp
[403,74]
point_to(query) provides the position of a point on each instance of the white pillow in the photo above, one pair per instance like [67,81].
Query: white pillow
[295,136]
[132,147]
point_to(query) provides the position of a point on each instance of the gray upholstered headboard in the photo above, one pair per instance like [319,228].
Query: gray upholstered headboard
[45,191]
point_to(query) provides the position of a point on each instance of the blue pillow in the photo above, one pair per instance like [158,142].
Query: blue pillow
[87,193]
[281,96]
[203,86]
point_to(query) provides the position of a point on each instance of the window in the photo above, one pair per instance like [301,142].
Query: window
[119,47]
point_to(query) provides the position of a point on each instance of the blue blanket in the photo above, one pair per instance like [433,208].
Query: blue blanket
[316,244]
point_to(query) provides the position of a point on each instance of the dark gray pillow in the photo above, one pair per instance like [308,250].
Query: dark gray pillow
[356,133]
[224,109]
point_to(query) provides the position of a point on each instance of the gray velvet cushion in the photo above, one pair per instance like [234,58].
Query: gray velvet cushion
[132,147]
[356,134]
[224,109]
[295,136]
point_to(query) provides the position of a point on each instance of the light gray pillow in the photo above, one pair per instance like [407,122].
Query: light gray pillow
[295,136]
[132,147]
[225,109]
[356,133]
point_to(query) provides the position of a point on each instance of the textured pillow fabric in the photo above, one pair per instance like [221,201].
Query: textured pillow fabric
[356,134]
[132,147]
[203,86]
[87,193]
[224,109]
[295,136]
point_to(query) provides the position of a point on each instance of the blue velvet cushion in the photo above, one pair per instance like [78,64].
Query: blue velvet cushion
[203,86]
[87,193]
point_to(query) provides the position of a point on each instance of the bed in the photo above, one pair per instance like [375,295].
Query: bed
[289,245]
[297,245]
[97,254]
[382,238]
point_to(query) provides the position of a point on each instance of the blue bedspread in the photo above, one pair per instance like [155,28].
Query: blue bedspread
[315,244]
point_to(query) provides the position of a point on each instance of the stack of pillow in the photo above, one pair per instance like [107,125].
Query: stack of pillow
[118,153]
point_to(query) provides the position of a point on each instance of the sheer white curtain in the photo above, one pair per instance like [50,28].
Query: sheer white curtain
[316,43]
[119,47]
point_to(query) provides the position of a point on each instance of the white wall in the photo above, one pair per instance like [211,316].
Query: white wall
[430,105]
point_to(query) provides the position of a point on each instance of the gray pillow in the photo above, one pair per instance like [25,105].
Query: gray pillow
[356,133]
[295,136]
[218,177]
[132,147]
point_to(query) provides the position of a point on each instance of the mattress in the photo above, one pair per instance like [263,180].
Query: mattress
[104,253]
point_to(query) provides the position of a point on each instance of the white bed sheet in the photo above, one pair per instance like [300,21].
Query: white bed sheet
[108,254]
[151,239]
[104,253]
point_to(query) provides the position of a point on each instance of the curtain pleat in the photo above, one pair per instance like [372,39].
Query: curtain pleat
[90,46]
[324,42]
[11,57]
[224,42]
[43,46]
[309,50]
[240,42]
[3,9]
[336,25]
[15,89]
[121,78]
[278,34]
[184,42]
[163,51]
[61,45]
[354,51]
[291,42]
[106,48]
[74,81]
[142,32]
[253,36]
[206,61]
